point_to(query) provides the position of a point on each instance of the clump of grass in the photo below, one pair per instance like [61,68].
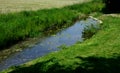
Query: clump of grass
[90,30]
[19,26]
[63,46]
[15,27]
[87,8]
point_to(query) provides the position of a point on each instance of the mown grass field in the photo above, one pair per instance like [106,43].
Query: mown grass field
[15,5]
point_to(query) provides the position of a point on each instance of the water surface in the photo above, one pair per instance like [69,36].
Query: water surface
[67,36]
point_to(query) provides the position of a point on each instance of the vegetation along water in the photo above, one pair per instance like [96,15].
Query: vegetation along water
[19,26]
[99,54]
[66,37]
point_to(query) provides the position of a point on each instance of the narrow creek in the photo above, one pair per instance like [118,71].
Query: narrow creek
[67,36]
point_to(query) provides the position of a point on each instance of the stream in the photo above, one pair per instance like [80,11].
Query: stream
[67,36]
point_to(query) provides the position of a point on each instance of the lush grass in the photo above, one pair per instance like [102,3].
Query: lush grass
[19,26]
[92,6]
[100,54]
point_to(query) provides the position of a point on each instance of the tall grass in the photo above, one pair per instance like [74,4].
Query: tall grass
[87,8]
[15,27]
[18,26]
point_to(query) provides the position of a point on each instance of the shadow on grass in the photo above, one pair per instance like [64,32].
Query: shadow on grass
[100,65]
[89,65]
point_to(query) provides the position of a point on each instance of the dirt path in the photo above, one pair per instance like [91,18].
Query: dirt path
[113,15]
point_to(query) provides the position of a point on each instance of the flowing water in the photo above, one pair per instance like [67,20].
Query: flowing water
[67,36]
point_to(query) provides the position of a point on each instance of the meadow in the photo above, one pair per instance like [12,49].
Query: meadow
[7,6]
[99,54]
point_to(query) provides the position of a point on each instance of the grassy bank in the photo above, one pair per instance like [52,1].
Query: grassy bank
[19,26]
[100,54]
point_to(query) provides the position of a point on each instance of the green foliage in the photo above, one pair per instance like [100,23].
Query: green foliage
[15,27]
[18,26]
[90,30]
[92,6]
[64,46]
[100,54]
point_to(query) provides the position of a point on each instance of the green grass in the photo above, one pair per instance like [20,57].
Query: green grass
[92,6]
[100,54]
[19,26]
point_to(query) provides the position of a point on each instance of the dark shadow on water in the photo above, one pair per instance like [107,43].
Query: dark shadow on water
[89,65]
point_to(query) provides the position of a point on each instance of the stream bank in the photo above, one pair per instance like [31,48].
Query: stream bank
[67,36]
